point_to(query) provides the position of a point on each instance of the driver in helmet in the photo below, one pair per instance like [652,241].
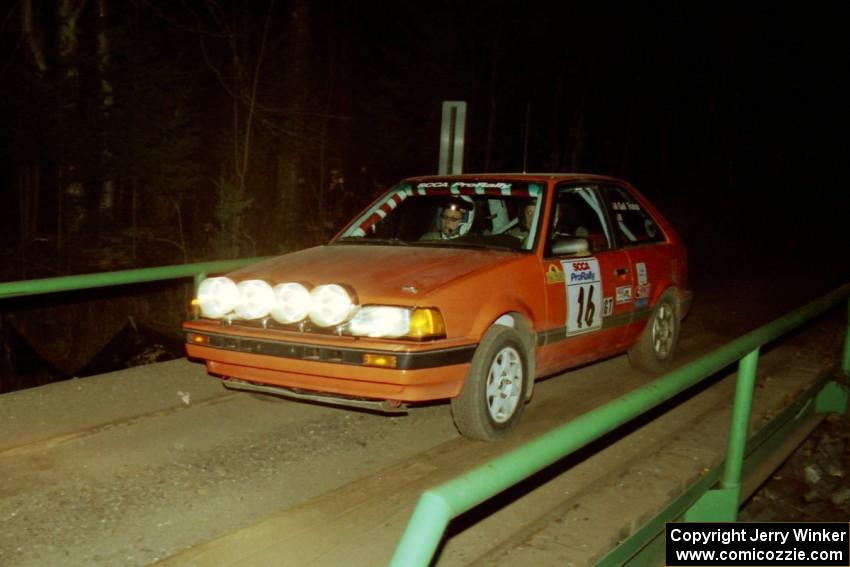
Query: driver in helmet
[454,220]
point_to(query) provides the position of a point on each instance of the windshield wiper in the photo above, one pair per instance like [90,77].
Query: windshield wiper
[467,245]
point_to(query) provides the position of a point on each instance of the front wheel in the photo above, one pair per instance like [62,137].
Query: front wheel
[493,396]
[654,350]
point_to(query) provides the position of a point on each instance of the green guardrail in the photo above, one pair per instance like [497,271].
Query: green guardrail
[197,270]
[438,506]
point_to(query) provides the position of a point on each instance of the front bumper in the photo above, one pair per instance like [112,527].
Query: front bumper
[419,373]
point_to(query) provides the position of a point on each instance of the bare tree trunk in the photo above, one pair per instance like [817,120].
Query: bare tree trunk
[289,183]
[29,191]
[29,176]
[232,184]
[33,38]
[106,203]
[71,194]
[134,125]
[327,217]
[291,175]
[134,221]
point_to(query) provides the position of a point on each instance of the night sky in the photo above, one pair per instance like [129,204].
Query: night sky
[731,120]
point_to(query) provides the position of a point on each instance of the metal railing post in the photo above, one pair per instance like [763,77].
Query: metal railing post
[721,504]
[199,277]
[835,396]
[741,410]
[423,533]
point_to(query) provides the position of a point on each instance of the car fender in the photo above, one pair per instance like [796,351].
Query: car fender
[519,318]
[661,290]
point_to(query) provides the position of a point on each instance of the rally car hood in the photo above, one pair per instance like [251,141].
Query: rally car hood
[376,272]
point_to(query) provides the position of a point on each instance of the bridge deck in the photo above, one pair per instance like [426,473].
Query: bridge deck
[159,463]
[573,518]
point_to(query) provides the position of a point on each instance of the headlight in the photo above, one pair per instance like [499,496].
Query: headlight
[292,303]
[256,299]
[380,321]
[392,322]
[331,305]
[217,297]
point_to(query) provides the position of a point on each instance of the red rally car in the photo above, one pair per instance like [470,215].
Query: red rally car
[465,287]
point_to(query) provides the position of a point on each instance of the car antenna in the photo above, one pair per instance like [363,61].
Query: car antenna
[525,141]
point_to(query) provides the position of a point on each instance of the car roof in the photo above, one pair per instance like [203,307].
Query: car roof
[529,177]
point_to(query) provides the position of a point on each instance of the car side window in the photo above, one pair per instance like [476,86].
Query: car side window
[578,214]
[632,224]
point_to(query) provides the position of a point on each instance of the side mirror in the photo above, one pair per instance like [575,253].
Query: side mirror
[570,246]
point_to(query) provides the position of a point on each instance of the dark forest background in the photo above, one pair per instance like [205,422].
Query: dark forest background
[149,132]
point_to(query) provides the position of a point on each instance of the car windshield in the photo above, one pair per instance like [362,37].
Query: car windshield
[481,214]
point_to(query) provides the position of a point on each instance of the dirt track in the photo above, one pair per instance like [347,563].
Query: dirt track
[131,468]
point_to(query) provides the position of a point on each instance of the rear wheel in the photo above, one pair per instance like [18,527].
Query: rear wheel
[654,350]
[493,396]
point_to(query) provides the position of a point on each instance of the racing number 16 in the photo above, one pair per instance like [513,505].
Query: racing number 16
[586,307]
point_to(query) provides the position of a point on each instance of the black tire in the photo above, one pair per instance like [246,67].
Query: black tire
[654,350]
[494,394]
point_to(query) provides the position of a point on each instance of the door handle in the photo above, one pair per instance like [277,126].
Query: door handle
[620,272]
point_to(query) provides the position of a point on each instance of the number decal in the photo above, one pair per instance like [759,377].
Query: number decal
[580,306]
[591,307]
[584,290]
[584,314]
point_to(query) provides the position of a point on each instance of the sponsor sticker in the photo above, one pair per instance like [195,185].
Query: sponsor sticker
[607,306]
[640,268]
[642,291]
[554,274]
[620,206]
[624,294]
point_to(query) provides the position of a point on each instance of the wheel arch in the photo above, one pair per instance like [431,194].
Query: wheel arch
[677,297]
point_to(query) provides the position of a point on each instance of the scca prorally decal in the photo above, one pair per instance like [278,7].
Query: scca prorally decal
[481,185]
[582,271]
